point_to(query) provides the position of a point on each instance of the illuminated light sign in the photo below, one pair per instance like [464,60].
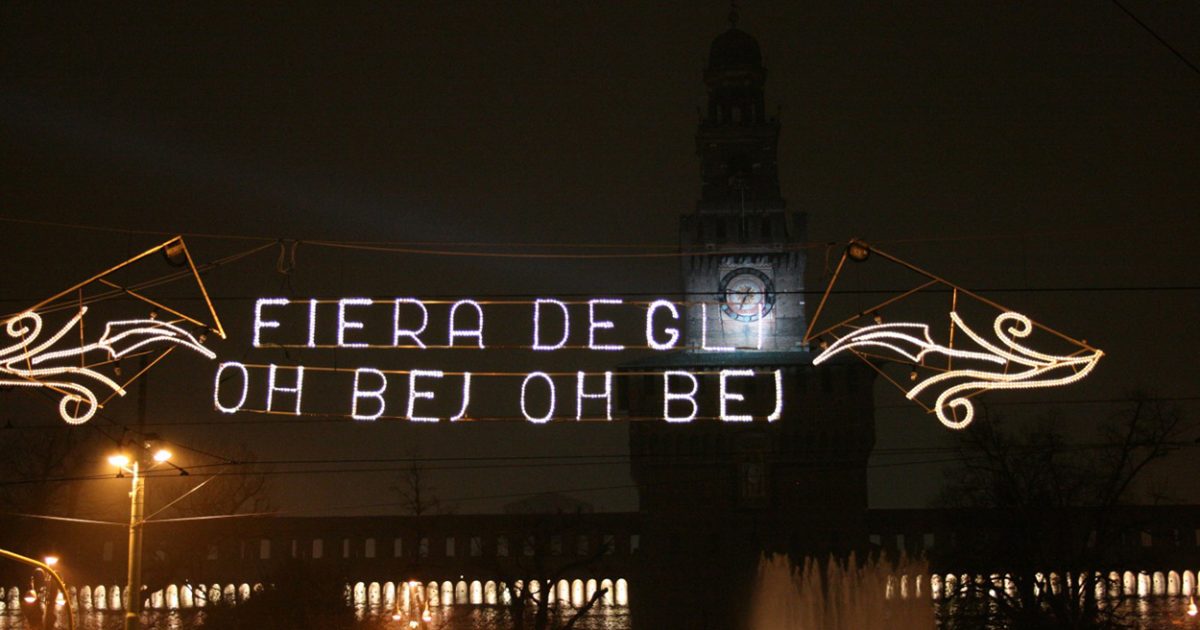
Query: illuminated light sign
[704,333]
[469,332]
[672,333]
[1016,366]
[423,394]
[688,396]
[33,365]
[272,387]
[411,333]
[605,395]
[375,394]
[601,324]
[220,378]
[537,325]
[550,408]
[727,396]
[345,323]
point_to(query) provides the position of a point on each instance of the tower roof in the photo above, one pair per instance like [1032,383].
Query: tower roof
[733,48]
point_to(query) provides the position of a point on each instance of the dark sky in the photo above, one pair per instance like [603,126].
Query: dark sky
[1045,153]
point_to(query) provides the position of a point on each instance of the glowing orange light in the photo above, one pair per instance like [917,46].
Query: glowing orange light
[1192,611]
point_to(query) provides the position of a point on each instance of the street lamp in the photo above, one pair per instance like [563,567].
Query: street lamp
[137,506]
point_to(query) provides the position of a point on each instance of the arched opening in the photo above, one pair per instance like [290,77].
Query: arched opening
[591,588]
[1055,584]
[489,593]
[407,592]
[101,595]
[214,594]
[432,595]
[904,587]
[172,597]
[577,593]
[229,595]
[374,595]
[243,592]
[187,598]
[562,596]
[389,595]
[461,593]
[1173,583]
[951,585]
[476,592]
[504,593]
[609,596]
[1143,584]
[935,586]
[114,598]
[1128,584]
[1158,584]
[85,598]
[1188,589]
[447,593]
[359,595]
[622,592]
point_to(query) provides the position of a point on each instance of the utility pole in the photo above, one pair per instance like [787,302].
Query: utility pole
[133,581]
[137,509]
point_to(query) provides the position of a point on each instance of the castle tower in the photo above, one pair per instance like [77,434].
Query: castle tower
[747,265]
[714,495]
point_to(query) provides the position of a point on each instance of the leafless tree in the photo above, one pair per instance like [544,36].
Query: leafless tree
[1052,508]
[415,491]
[540,608]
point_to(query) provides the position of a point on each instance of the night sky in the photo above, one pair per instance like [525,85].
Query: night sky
[1045,154]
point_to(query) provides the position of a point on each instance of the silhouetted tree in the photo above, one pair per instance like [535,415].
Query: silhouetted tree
[1050,507]
[532,561]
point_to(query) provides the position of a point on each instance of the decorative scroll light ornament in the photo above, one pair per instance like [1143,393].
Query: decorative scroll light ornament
[1003,362]
[33,364]
[912,341]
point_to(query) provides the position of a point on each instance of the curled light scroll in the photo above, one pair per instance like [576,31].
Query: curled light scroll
[32,365]
[953,405]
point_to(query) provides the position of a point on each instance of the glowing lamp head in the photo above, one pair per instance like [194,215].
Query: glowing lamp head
[395,616]
[858,251]
[162,455]
[1192,611]
[50,560]
[120,460]
[31,597]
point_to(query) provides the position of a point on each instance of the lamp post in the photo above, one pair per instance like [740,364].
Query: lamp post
[137,508]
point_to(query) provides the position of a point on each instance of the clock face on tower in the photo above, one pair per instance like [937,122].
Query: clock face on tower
[746,294]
